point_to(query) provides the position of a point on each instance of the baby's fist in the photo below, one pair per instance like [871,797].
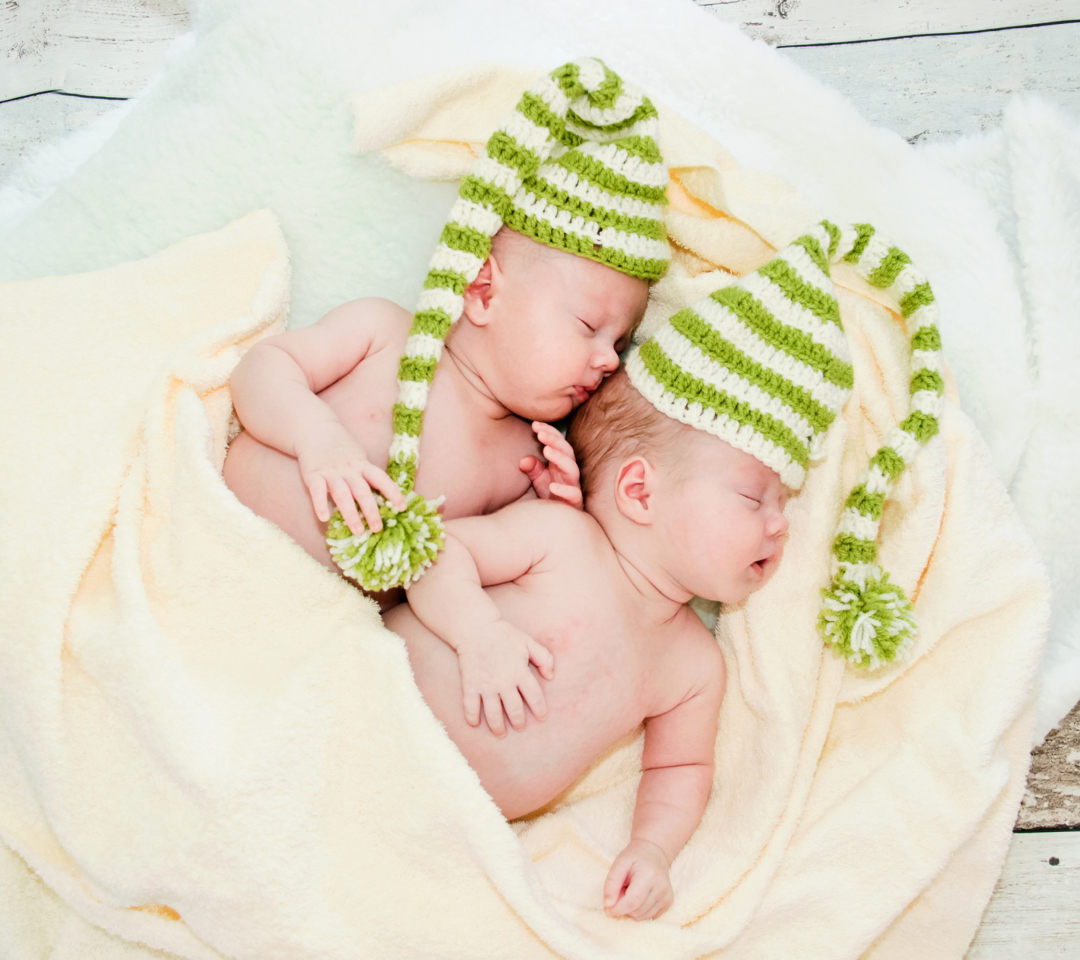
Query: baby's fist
[638,885]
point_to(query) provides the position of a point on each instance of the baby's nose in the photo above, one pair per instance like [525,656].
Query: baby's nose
[606,359]
[778,525]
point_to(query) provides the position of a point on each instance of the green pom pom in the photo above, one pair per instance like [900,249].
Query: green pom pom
[398,554]
[866,617]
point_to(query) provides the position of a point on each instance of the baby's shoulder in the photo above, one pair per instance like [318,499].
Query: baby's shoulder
[698,652]
[383,320]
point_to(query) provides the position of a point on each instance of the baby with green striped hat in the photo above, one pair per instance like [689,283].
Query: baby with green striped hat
[539,276]
[687,456]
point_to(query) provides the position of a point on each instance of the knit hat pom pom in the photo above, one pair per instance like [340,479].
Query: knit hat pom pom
[867,618]
[398,554]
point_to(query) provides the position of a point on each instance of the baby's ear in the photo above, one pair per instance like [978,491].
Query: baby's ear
[635,481]
[479,294]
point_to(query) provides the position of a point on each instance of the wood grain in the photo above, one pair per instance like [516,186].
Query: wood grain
[843,21]
[1052,798]
[1035,911]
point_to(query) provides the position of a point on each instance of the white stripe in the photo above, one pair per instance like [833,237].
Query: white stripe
[547,89]
[926,360]
[848,236]
[857,572]
[722,426]
[460,261]
[623,108]
[648,127]
[858,525]
[927,315]
[622,163]
[875,481]
[926,401]
[690,359]
[822,332]
[413,393]
[504,177]
[633,244]
[402,447]
[723,320]
[903,443]
[590,72]
[442,299]
[424,346]
[528,134]
[906,281]
[563,179]
[809,272]
[877,248]
[475,216]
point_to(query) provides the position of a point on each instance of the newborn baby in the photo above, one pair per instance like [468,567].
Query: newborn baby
[540,274]
[670,512]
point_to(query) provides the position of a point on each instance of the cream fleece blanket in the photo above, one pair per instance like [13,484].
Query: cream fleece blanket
[210,746]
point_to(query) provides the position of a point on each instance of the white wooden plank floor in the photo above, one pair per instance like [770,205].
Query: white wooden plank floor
[927,69]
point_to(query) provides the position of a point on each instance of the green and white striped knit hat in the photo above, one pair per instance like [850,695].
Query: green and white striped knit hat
[576,166]
[764,364]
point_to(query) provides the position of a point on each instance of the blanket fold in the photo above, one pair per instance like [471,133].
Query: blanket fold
[211,747]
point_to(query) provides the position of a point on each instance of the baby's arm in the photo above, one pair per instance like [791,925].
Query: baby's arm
[275,387]
[675,784]
[449,600]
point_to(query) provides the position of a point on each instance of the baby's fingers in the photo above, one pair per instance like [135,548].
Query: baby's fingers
[567,494]
[493,711]
[515,708]
[541,657]
[534,697]
[342,496]
[366,500]
[564,462]
[615,881]
[633,897]
[316,486]
[380,480]
[472,708]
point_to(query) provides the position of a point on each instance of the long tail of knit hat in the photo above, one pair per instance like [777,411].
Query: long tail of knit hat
[764,364]
[576,166]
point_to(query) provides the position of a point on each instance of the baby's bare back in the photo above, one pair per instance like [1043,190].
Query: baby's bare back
[613,668]
[472,463]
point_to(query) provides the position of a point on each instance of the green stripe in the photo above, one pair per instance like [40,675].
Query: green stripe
[848,548]
[643,147]
[713,344]
[607,94]
[485,193]
[417,369]
[919,296]
[889,462]
[925,379]
[926,338]
[921,425]
[536,109]
[813,249]
[408,421]
[821,304]
[446,280]
[684,386]
[867,503]
[644,112]
[889,269]
[592,170]
[783,337]
[834,237]
[504,148]
[864,231]
[466,239]
[402,470]
[603,216]
[434,322]
[645,268]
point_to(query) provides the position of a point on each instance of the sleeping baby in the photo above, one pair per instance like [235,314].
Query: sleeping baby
[540,274]
[670,512]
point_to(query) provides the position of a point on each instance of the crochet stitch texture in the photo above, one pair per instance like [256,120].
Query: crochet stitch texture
[764,364]
[576,166]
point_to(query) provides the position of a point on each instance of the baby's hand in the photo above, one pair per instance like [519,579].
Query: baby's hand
[494,667]
[333,464]
[559,478]
[638,885]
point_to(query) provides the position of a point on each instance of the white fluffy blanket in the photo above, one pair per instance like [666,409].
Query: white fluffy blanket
[187,760]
